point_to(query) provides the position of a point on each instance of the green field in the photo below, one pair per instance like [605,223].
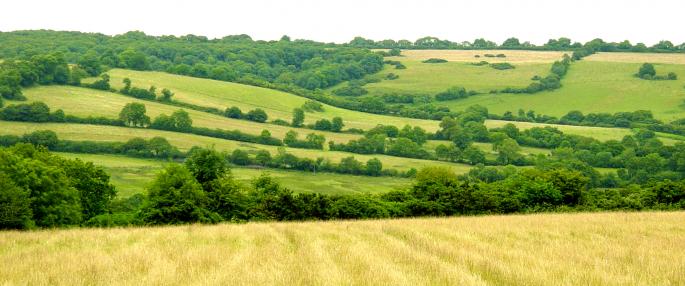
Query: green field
[429,79]
[132,175]
[592,86]
[277,104]
[88,102]
[186,141]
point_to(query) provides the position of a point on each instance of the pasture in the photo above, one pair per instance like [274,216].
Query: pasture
[186,141]
[277,104]
[132,175]
[541,249]
[660,58]
[88,102]
[429,79]
[512,56]
[592,86]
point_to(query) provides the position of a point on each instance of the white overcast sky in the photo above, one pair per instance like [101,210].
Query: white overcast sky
[645,21]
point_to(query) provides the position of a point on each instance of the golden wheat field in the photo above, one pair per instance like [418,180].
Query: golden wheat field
[543,249]
[657,58]
[512,56]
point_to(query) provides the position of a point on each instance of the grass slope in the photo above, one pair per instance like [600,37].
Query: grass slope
[186,141]
[596,87]
[277,104]
[541,249]
[660,58]
[430,79]
[88,102]
[132,175]
[512,56]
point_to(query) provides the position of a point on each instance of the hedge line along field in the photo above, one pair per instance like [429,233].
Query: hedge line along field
[594,86]
[429,79]
[132,175]
[185,141]
[542,249]
[88,102]
[277,104]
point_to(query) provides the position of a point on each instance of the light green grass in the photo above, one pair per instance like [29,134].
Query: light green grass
[596,87]
[599,133]
[88,102]
[277,104]
[132,175]
[430,79]
[186,141]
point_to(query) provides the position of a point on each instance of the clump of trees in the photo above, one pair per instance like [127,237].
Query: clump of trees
[502,66]
[256,115]
[133,114]
[434,61]
[452,93]
[648,72]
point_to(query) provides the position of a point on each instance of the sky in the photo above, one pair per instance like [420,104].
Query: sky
[647,21]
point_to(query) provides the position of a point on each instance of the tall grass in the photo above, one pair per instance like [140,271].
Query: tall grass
[542,249]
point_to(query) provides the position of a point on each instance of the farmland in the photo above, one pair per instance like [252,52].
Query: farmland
[277,104]
[131,176]
[542,249]
[594,86]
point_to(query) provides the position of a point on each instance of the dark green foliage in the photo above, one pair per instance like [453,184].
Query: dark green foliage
[350,90]
[133,114]
[648,72]
[337,124]
[298,117]
[502,66]
[312,106]
[15,205]
[32,112]
[101,84]
[233,112]
[452,93]
[434,61]
[166,95]
[323,124]
[257,115]
[175,197]
[178,121]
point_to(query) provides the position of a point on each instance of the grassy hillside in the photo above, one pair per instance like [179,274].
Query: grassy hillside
[429,79]
[186,141]
[512,56]
[543,249]
[88,102]
[131,176]
[660,58]
[593,86]
[277,104]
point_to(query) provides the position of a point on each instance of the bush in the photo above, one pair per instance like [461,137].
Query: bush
[502,66]
[311,106]
[350,90]
[451,94]
[257,115]
[233,112]
[434,61]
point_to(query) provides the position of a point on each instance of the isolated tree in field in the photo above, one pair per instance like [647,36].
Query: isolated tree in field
[646,71]
[337,124]
[182,120]
[298,117]
[133,114]
[127,86]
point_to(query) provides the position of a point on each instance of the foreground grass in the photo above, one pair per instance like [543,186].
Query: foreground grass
[593,86]
[543,249]
[131,176]
[185,141]
[277,104]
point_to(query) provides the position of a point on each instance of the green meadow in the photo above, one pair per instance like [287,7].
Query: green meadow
[131,176]
[593,86]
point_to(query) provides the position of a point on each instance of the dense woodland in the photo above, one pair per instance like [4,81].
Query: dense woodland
[40,189]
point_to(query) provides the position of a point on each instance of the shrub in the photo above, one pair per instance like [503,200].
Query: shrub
[501,66]
[257,115]
[434,61]
[311,106]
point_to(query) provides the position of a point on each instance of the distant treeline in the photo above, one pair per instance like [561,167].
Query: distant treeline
[561,44]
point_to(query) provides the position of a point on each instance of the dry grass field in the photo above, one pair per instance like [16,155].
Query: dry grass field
[543,249]
[660,58]
[513,56]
